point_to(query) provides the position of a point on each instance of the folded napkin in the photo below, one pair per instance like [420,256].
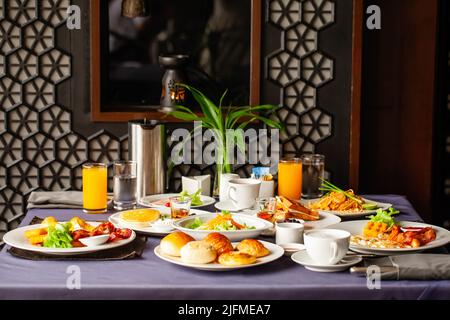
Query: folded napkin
[130,251]
[413,267]
[58,199]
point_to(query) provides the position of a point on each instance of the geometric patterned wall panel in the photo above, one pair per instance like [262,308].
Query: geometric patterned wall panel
[300,68]
[39,150]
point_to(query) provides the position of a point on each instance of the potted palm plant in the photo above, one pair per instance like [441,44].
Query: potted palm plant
[220,120]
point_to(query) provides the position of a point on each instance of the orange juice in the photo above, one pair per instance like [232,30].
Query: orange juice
[290,178]
[95,179]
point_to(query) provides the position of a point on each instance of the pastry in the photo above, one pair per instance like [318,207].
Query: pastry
[198,252]
[253,247]
[140,218]
[221,243]
[235,258]
[172,244]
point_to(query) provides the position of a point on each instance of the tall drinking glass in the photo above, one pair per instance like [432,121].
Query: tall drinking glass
[290,178]
[125,185]
[313,173]
[95,180]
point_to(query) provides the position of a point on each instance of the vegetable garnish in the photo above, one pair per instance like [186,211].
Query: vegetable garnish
[59,236]
[195,197]
[329,187]
[385,216]
[196,224]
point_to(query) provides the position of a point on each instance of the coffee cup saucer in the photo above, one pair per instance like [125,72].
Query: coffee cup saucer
[303,258]
[226,206]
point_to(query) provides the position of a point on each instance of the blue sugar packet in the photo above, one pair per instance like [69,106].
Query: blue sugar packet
[259,172]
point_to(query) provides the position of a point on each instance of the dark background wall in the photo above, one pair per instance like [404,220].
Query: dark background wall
[405,122]
[45,129]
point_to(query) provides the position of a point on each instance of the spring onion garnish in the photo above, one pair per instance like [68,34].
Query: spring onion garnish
[329,187]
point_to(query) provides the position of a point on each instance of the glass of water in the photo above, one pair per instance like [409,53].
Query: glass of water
[125,185]
[313,173]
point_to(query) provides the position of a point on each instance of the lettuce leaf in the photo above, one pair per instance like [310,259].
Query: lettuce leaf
[59,236]
[195,197]
[196,224]
[385,216]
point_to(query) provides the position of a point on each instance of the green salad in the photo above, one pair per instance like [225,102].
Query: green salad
[385,216]
[195,197]
[59,236]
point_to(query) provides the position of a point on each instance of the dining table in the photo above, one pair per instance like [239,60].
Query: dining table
[149,277]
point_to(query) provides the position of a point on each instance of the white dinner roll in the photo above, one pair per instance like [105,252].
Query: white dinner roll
[172,244]
[198,252]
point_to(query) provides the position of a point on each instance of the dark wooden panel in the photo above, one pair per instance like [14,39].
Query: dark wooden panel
[398,101]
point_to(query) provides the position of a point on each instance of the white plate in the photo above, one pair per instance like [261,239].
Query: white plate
[17,239]
[343,214]
[357,227]
[326,219]
[148,200]
[150,231]
[275,253]
[237,235]
[305,260]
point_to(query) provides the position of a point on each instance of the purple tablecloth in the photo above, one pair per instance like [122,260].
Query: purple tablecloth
[151,278]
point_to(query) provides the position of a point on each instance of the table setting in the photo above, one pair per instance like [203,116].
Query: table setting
[283,231]
[310,239]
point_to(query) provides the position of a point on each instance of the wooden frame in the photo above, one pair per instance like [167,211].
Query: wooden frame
[355,113]
[97,115]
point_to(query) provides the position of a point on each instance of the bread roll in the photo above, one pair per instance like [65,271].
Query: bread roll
[253,247]
[198,252]
[221,243]
[235,258]
[172,244]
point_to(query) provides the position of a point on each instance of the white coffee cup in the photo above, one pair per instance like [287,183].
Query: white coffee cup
[327,246]
[243,192]
[288,232]
[224,181]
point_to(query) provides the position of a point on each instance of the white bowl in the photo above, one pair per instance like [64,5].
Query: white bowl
[94,241]
[235,235]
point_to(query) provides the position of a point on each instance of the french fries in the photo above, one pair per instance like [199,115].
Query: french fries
[35,233]
[36,236]
[37,240]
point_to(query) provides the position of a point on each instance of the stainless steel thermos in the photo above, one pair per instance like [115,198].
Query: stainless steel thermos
[147,144]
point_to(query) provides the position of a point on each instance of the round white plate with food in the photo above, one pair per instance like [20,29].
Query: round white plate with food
[350,214]
[373,247]
[159,228]
[162,200]
[17,239]
[303,258]
[276,252]
[195,226]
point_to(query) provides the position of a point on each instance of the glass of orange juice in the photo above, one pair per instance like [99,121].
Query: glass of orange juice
[95,179]
[290,178]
